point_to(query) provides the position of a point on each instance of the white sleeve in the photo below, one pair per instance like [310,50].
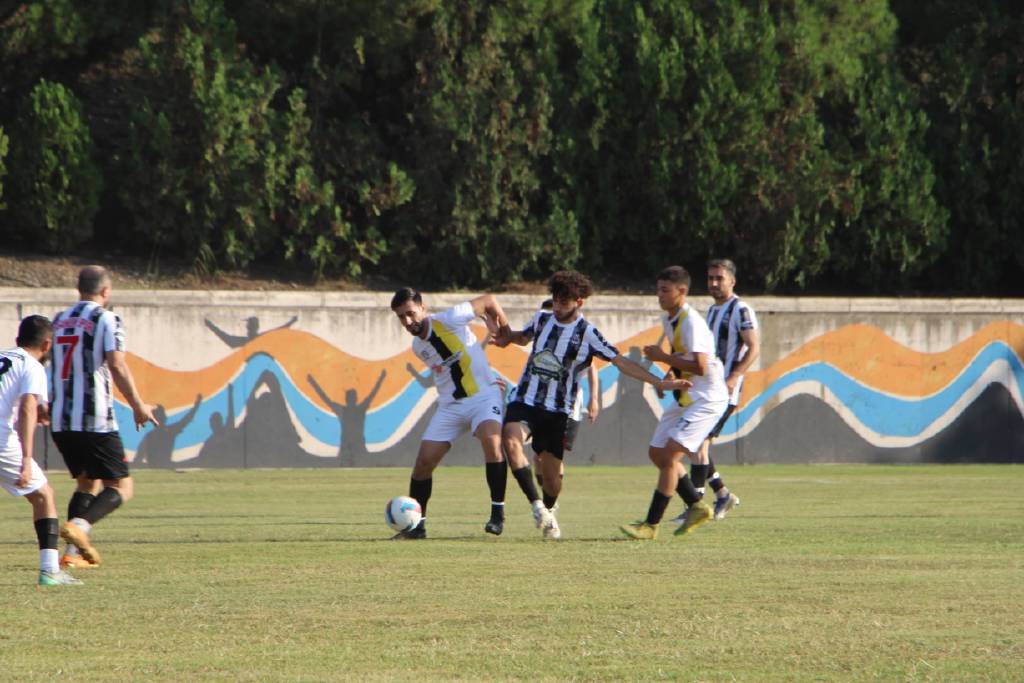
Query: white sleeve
[113,333]
[458,316]
[34,382]
[697,336]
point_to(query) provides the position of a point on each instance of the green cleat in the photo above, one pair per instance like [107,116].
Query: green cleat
[58,578]
[698,513]
[640,530]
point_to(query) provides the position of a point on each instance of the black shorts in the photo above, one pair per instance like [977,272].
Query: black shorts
[572,428]
[546,427]
[100,455]
[721,422]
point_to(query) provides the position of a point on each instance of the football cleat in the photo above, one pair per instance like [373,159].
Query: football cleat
[495,525]
[681,517]
[58,578]
[72,533]
[699,513]
[541,515]
[416,533]
[76,562]
[640,530]
[551,529]
[724,504]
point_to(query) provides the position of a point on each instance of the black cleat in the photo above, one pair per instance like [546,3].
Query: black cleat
[417,533]
[495,525]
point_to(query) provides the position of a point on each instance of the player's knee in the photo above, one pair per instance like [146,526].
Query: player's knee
[125,487]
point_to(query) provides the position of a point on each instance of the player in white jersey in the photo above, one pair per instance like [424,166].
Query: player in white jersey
[89,352]
[564,346]
[468,396]
[23,397]
[695,412]
[734,329]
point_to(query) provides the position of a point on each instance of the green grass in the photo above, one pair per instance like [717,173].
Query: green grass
[823,573]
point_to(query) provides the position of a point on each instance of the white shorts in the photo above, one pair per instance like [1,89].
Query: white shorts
[688,426]
[454,419]
[10,470]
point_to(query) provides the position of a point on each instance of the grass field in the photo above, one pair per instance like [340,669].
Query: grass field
[823,573]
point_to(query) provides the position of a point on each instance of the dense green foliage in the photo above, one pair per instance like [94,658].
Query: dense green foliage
[831,146]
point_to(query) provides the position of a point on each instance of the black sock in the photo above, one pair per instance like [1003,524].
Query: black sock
[79,503]
[105,503]
[420,490]
[549,500]
[699,474]
[659,502]
[714,478]
[497,479]
[686,490]
[524,477]
[46,532]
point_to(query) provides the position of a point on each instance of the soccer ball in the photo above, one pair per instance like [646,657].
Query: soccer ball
[402,513]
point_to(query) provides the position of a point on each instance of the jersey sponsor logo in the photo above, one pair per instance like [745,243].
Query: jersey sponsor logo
[447,362]
[547,367]
[83,323]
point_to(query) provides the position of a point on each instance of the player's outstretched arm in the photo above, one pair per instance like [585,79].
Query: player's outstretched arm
[637,371]
[125,383]
[486,306]
[697,366]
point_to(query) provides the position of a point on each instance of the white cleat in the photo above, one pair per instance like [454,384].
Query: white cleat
[552,531]
[542,517]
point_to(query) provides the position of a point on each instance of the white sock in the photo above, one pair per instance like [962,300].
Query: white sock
[48,560]
[82,524]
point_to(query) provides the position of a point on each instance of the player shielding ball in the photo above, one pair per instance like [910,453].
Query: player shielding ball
[564,346]
[686,424]
[469,397]
[23,396]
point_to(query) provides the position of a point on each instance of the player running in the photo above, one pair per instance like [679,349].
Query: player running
[564,346]
[23,397]
[469,398]
[684,426]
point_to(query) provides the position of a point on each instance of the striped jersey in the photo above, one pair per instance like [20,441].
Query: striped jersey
[20,374]
[83,396]
[726,322]
[454,354]
[687,334]
[558,361]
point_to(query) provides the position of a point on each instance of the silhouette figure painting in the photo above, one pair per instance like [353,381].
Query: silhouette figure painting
[226,445]
[352,416]
[252,330]
[157,446]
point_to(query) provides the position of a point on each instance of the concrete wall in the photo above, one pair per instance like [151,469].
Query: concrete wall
[274,379]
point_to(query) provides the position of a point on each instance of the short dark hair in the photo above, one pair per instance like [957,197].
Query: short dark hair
[675,274]
[403,295]
[91,279]
[33,331]
[723,263]
[568,284]
[547,304]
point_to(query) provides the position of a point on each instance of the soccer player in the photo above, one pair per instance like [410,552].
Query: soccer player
[564,346]
[23,397]
[684,426]
[89,352]
[469,398]
[734,329]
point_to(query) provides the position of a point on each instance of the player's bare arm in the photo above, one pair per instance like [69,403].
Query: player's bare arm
[637,371]
[487,307]
[697,366]
[594,407]
[752,340]
[27,414]
[125,383]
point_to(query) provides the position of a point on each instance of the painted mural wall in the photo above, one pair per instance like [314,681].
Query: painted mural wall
[251,379]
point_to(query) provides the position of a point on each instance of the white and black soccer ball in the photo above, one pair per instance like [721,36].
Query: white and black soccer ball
[403,513]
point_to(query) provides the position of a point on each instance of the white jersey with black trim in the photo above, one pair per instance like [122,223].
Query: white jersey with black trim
[83,394]
[20,374]
[558,361]
[688,334]
[727,321]
[454,354]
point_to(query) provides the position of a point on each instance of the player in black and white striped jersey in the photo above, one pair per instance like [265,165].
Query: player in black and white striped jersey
[564,346]
[88,354]
[736,334]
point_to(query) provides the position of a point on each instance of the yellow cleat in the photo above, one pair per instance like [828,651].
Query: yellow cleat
[640,530]
[76,562]
[698,513]
[74,535]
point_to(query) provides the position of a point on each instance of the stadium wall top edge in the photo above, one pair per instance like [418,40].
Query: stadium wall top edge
[53,296]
